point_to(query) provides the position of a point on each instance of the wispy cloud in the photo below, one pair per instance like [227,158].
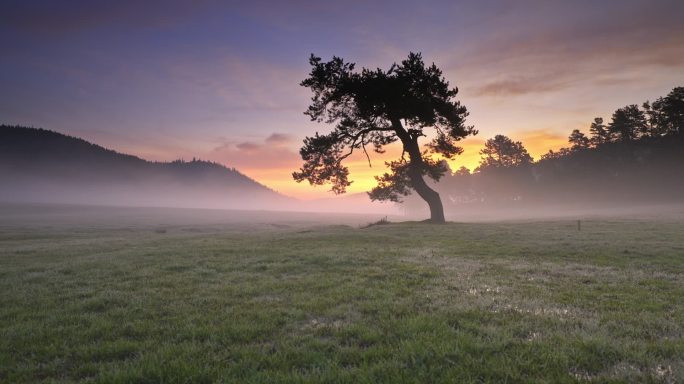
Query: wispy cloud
[273,152]
[520,86]
[279,139]
[561,46]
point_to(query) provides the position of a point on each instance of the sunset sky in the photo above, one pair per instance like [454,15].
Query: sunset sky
[219,80]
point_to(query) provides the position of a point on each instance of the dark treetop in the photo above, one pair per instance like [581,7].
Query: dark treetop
[373,108]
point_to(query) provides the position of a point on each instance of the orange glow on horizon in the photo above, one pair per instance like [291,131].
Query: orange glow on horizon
[537,142]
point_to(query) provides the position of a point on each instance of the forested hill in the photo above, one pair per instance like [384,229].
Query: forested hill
[38,165]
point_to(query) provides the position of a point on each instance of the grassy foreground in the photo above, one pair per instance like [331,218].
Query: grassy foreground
[503,302]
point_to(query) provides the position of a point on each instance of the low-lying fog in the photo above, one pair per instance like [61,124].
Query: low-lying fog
[641,177]
[68,215]
[460,204]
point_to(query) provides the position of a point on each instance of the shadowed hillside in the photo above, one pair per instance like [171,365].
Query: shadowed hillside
[38,165]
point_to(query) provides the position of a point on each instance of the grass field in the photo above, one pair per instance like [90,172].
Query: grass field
[299,302]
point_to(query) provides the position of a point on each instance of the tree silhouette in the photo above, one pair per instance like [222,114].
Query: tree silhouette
[373,108]
[599,132]
[463,171]
[655,118]
[578,140]
[629,123]
[554,155]
[673,109]
[502,152]
[639,162]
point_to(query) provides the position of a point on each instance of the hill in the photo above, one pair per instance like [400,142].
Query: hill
[39,165]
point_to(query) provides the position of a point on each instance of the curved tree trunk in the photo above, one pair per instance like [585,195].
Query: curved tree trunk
[431,197]
[428,194]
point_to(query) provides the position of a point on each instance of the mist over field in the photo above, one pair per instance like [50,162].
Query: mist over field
[646,178]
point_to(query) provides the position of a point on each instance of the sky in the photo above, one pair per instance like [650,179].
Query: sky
[219,80]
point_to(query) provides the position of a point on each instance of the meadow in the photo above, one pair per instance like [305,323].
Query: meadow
[103,298]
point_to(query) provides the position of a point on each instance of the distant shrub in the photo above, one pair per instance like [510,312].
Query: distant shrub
[382,221]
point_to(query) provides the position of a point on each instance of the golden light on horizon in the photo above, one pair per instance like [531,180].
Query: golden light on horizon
[537,142]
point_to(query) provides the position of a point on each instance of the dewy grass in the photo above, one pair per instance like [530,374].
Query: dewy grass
[412,302]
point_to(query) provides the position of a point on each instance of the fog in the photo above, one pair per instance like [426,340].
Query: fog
[205,201]
[518,194]
[85,217]
[515,194]
[168,192]
[643,177]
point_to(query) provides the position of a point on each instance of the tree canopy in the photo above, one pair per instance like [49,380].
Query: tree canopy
[500,152]
[372,108]
[673,111]
[629,123]
[599,132]
[578,140]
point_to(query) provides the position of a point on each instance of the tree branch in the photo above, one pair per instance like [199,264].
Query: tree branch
[363,145]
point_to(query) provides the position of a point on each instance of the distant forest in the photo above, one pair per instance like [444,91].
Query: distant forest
[636,158]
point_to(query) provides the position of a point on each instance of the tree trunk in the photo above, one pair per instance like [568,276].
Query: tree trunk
[431,197]
[428,194]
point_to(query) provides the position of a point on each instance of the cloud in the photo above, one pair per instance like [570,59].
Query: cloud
[520,86]
[559,46]
[248,146]
[271,153]
[270,161]
[274,141]
[279,139]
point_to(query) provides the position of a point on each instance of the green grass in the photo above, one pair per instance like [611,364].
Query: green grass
[411,302]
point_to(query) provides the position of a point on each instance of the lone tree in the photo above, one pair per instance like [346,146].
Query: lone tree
[374,108]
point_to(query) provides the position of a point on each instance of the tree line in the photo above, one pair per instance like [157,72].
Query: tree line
[663,117]
[637,156]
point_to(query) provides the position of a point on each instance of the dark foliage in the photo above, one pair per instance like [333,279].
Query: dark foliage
[502,152]
[672,107]
[578,140]
[599,132]
[629,123]
[373,108]
[638,158]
